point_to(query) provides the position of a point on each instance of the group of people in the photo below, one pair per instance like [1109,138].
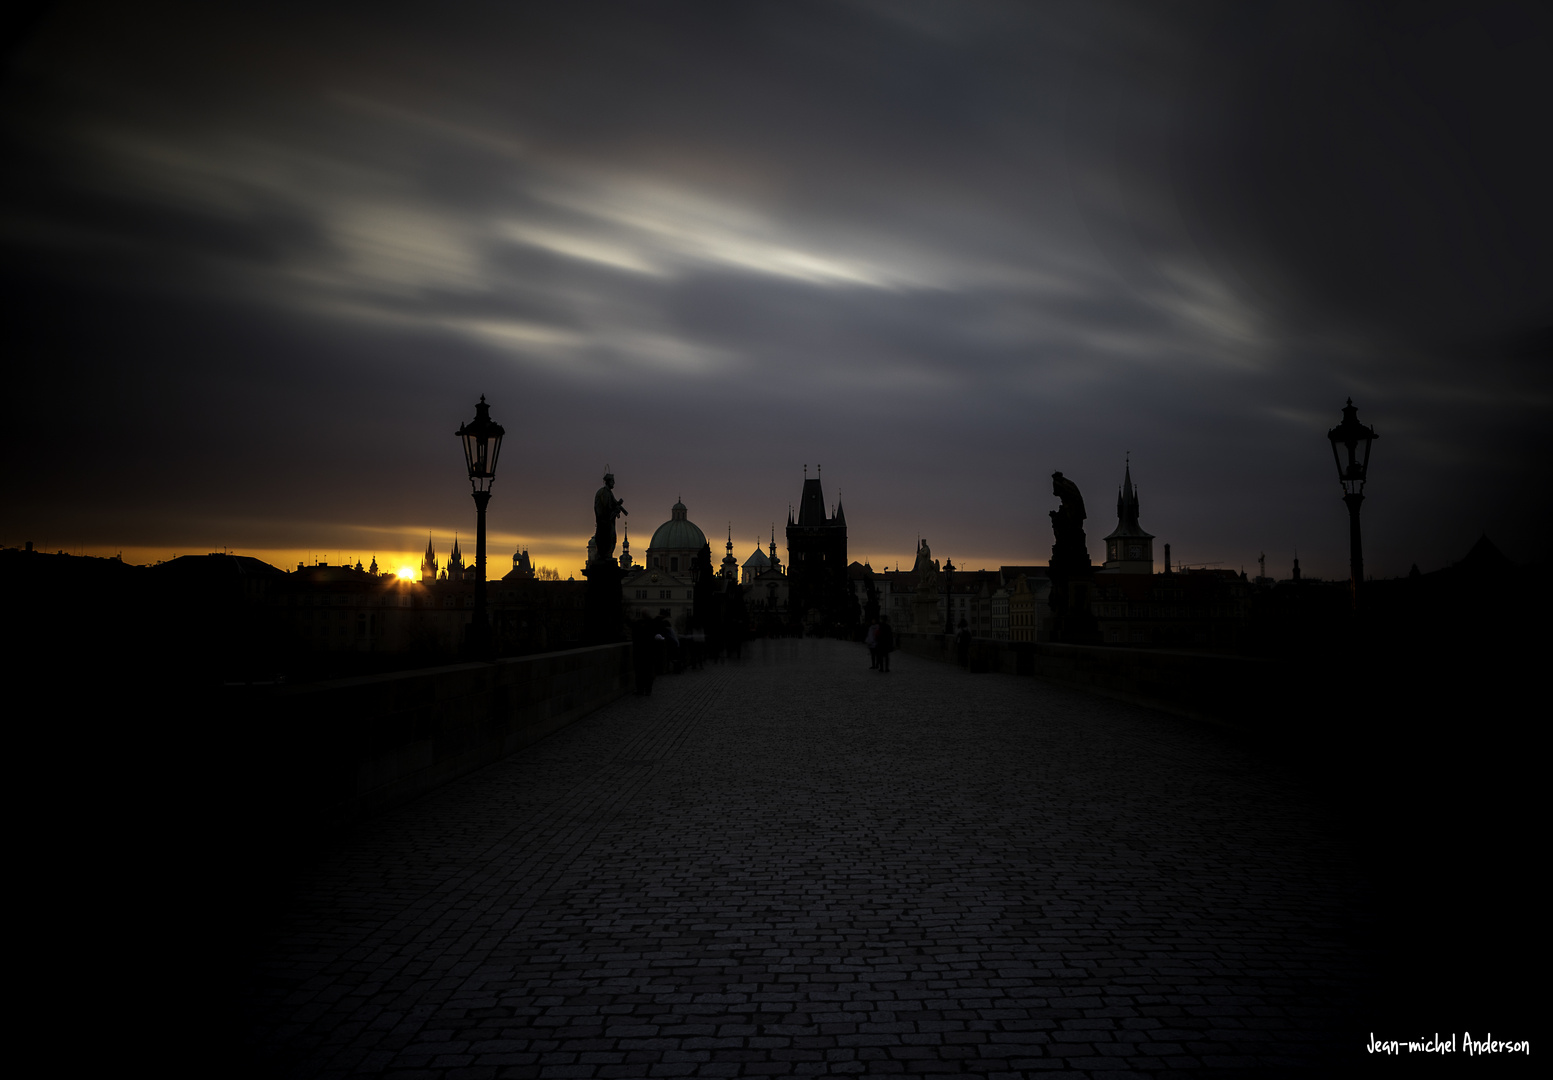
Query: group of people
[881,643]
[657,650]
[654,647]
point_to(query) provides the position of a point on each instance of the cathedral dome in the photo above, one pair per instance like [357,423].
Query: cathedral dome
[679,533]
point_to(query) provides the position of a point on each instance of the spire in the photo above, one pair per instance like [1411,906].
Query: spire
[1128,548]
[1127,504]
[811,505]
[429,563]
[730,564]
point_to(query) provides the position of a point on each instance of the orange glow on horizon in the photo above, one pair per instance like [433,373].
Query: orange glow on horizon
[406,574]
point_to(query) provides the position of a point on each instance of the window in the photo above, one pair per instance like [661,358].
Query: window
[673,562]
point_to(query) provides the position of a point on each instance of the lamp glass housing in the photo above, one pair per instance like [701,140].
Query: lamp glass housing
[1351,450]
[482,445]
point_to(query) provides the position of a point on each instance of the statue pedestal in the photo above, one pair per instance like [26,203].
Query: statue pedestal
[1073,620]
[925,616]
[603,616]
[1074,623]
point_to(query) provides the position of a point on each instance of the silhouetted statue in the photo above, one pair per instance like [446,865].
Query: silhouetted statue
[1071,551]
[1070,568]
[603,609]
[924,605]
[926,569]
[606,508]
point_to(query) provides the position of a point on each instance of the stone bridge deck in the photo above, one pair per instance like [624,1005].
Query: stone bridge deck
[794,865]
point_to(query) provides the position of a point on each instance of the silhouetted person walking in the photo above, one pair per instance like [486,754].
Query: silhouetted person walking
[886,642]
[872,641]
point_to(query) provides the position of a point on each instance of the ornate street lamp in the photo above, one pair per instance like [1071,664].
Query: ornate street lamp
[948,596]
[482,443]
[1351,450]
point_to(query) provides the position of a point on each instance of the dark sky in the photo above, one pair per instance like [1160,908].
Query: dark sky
[259,264]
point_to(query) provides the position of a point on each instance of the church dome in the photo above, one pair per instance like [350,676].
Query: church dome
[679,533]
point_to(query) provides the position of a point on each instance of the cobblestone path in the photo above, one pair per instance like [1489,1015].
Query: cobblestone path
[794,865]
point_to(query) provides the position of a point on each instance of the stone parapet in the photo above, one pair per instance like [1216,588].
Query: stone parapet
[348,748]
[1233,691]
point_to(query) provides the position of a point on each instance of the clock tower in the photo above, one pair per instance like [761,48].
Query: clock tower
[1128,550]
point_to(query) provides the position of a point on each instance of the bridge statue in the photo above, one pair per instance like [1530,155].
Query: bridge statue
[1071,551]
[603,604]
[926,568]
[1070,571]
[606,508]
[925,617]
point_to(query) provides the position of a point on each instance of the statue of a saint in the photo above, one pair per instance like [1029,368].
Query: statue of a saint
[1070,570]
[1071,514]
[1070,553]
[606,508]
[925,569]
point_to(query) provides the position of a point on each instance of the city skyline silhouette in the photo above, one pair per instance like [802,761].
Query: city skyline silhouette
[271,295]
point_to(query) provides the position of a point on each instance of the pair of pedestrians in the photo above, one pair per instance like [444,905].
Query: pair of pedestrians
[881,642]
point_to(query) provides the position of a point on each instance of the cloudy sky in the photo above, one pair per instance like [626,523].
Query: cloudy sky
[261,260]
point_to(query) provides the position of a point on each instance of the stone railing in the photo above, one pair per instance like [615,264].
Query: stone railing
[348,748]
[1230,690]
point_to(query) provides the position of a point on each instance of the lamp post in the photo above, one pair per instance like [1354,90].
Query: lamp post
[948,596]
[482,443]
[1351,450]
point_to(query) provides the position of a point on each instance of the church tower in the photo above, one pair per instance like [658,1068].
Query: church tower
[625,550]
[816,556]
[455,562]
[429,563]
[1128,550]
[730,564]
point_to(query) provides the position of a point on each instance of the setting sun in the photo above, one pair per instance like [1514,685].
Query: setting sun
[406,574]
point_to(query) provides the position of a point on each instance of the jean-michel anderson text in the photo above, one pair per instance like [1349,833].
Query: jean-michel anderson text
[1449,1044]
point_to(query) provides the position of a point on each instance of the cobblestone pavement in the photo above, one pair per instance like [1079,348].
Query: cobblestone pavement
[795,865]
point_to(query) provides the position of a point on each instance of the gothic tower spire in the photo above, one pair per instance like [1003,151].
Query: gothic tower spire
[1129,549]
